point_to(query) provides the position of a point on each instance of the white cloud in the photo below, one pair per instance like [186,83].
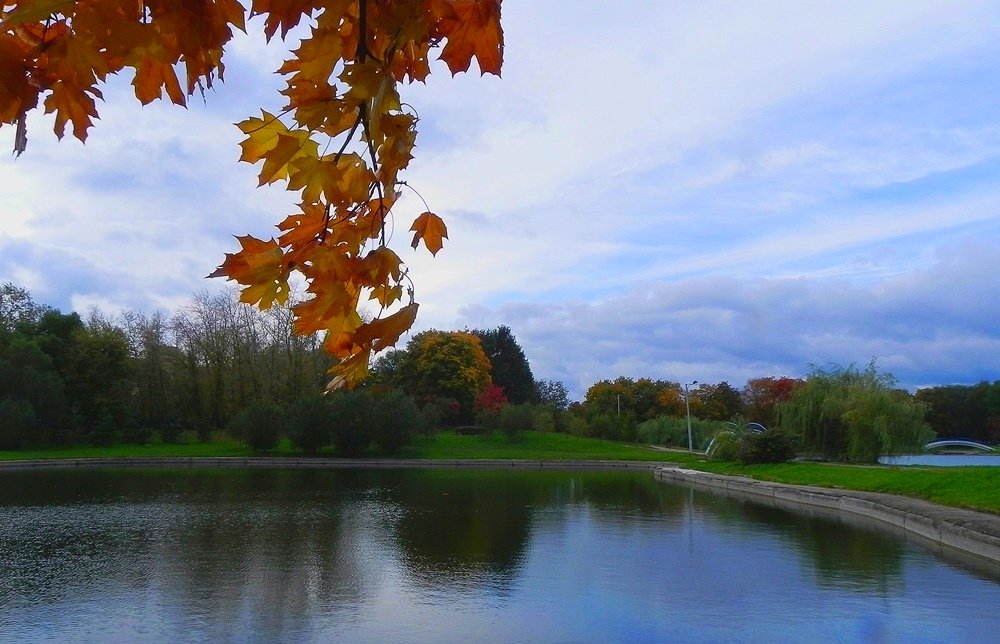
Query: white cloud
[645,178]
[932,324]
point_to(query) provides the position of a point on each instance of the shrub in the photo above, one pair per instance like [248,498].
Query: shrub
[102,432]
[725,446]
[487,422]
[605,426]
[259,426]
[353,421]
[439,412]
[170,432]
[772,446]
[310,425]
[137,434]
[544,419]
[491,398]
[668,431]
[516,418]
[577,426]
[17,421]
[671,431]
[397,421]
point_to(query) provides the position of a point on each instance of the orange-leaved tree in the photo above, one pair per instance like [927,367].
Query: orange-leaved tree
[340,138]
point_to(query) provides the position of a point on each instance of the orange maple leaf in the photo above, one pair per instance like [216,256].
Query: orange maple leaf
[259,266]
[430,228]
[385,332]
[304,227]
[473,29]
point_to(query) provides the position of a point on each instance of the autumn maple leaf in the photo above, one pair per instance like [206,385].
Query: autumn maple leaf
[430,228]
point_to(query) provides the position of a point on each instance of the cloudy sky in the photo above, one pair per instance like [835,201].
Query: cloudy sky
[690,191]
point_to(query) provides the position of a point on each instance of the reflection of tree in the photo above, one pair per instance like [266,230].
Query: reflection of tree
[259,551]
[842,553]
[472,527]
[287,550]
[462,528]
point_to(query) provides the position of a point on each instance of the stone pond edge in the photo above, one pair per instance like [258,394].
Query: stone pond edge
[973,532]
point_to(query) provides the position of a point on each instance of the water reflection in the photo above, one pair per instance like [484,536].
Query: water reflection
[839,552]
[416,555]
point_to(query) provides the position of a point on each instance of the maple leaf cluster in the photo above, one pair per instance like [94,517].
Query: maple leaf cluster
[347,139]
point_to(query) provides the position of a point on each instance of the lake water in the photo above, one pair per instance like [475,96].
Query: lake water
[457,555]
[944,460]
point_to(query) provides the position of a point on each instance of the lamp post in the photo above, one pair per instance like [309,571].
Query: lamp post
[687,405]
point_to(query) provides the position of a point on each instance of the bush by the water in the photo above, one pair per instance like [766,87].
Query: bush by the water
[750,447]
[259,426]
[17,419]
[397,421]
[353,421]
[725,446]
[310,425]
[772,446]
[671,431]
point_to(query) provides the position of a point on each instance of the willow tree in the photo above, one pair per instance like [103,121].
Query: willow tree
[339,137]
[853,415]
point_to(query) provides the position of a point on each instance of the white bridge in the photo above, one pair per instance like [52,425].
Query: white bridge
[959,442]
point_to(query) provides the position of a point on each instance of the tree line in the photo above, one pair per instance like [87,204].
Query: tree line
[66,379]
[217,364]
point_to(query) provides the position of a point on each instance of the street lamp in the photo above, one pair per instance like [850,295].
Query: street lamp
[687,405]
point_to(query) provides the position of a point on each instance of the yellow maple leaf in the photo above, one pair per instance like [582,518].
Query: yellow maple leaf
[430,228]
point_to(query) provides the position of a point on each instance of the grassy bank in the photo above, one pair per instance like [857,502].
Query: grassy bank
[969,487]
[977,488]
[534,446]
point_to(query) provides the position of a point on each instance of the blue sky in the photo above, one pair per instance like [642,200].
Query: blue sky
[688,191]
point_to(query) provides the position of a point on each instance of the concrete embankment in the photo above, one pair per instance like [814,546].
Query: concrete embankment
[973,532]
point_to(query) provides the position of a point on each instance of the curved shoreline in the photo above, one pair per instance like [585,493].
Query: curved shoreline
[972,532]
[969,531]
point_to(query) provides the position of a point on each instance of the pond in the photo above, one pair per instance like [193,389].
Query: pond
[944,460]
[419,555]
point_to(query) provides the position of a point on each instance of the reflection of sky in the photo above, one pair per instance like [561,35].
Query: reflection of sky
[281,557]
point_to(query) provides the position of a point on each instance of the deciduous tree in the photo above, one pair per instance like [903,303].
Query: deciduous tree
[760,395]
[339,138]
[552,393]
[445,364]
[854,415]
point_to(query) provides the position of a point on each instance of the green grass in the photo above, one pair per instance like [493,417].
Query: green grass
[976,488]
[969,487]
[217,447]
[535,446]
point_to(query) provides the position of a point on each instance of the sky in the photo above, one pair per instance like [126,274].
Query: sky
[707,191]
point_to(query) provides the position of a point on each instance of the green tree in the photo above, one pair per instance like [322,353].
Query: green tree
[853,415]
[552,394]
[353,421]
[966,411]
[641,399]
[396,421]
[509,369]
[16,308]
